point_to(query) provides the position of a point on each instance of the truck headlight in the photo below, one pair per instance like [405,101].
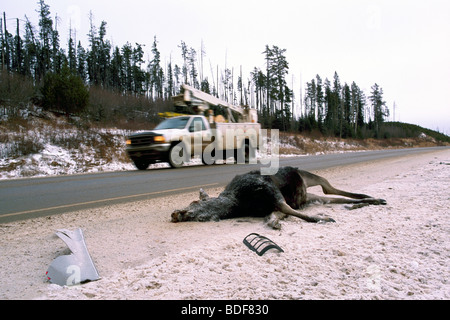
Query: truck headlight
[159,139]
[128,142]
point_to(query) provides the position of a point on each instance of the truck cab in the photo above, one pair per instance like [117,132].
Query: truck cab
[145,148]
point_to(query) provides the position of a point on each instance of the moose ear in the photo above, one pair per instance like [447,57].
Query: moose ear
[203,195]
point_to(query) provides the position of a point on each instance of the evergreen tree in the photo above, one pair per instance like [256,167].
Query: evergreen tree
[64,92]
[357,107]
[259,80]
[17,62]
[104,55]
[192,59]
[30,51]
[71,55]
[204,86]
[269,57]
[227,85]
[170,85]
[345,129]
[333,101]
[127,73]
[361,107]
[5,52]
[58,56]
[116,70]
[280,68]
[98,57]
[45,36]
[310,100]
[184,55]
[177,79]
[320,100]
[138,73]
[327,106]
[156,72]
[81,62]
[92,54]
[277,97]
[380,110]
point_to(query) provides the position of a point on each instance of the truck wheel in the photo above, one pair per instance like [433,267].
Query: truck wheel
[141,164]
[175,156]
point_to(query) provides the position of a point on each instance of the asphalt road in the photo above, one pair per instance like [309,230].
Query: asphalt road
[30,198]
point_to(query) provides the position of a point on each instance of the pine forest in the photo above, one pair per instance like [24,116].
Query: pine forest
[114,84]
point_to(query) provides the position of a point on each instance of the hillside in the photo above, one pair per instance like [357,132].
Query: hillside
[40,143]
[405,130]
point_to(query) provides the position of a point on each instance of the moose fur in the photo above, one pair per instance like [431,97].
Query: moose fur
[255,195]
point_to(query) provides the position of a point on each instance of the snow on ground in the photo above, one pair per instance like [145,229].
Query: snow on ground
[55,149]
[397,251]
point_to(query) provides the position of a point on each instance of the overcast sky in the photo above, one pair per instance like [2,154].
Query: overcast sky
[402,45]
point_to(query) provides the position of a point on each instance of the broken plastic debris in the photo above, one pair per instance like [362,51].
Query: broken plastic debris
[260,244]
[75,268]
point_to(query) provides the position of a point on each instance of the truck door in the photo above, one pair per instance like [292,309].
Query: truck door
[200,135]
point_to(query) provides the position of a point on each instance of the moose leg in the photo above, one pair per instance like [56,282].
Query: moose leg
[273,220]
[326,200]
[286,209]
[312,180]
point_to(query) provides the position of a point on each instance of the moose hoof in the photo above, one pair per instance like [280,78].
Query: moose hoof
[274,224]
[322,219]
[374,201]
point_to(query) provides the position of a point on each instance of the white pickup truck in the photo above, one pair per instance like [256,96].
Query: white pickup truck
[176,140]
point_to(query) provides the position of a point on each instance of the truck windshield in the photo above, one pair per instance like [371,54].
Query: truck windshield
[173,123]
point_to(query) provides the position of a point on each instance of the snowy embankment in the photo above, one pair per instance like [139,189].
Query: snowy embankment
[44,151]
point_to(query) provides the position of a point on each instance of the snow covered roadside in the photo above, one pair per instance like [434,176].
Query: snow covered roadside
[42,148]
[55,160]
[397,251]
